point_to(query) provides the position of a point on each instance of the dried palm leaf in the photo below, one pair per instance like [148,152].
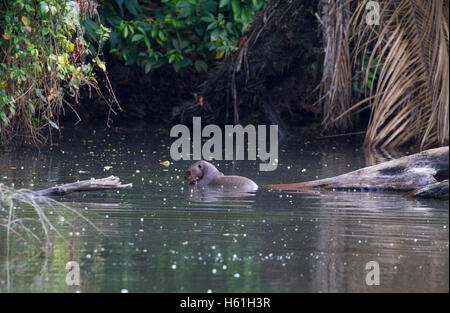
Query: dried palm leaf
[409,49]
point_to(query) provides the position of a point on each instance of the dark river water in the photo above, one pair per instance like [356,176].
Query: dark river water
[159,236]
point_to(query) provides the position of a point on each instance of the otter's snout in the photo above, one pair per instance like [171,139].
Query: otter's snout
[187,175]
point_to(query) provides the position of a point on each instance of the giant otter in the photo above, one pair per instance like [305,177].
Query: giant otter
[204,174]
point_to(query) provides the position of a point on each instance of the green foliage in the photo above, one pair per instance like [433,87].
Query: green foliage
[42,58]
[372,72]
[183,33]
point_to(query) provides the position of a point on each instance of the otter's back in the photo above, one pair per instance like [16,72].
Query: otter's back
[234,182]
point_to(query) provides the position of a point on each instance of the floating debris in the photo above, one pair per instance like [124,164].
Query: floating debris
[165,163]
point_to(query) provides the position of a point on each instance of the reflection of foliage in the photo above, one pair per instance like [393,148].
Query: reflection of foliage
[30,229]
[15,217]
[178,32]
[42,58]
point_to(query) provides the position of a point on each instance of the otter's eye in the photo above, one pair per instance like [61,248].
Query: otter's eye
[199,166]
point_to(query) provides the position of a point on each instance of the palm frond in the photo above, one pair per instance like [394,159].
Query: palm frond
[336,79]
[410,52]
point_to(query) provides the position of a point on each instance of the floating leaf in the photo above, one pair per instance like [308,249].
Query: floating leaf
[165,163]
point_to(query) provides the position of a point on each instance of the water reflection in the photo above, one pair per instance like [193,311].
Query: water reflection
[375,156]
[361,227]
[219,197]
[163,235]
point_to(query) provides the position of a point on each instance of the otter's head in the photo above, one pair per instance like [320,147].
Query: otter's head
[200,172]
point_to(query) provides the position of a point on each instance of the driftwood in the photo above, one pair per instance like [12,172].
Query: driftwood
[110,182]
[437,191]
[408,173]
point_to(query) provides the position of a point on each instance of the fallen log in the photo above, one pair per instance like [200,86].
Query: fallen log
[437,191]
[408,173]
[111,182]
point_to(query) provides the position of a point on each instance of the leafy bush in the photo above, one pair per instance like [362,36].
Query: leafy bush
[182,33]
[42,58]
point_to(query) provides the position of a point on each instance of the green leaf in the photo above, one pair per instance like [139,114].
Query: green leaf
[53,124]
[236,7]
[201,66]
[39,94]
[223,3]
[132,6]
[120,5]
[137,37]
[4,118]
[31,107]
[44,7]
[161,35]
[148,67]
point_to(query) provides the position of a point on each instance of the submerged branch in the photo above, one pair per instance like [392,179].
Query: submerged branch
[40,201]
